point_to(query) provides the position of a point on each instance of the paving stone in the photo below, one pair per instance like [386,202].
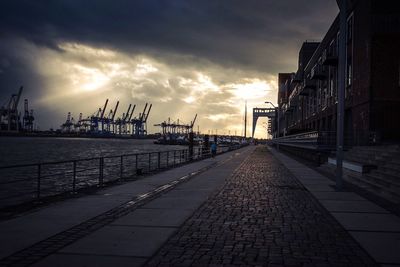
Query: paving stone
[385,247]
[262,216]
[368,221]
[82,260]
[155,217]
[352,206]
[337,196]
[122,241]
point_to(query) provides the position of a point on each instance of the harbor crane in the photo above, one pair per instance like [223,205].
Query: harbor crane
[192,124]
[98,118]
[102,123]
[28,117]
[9,116]
[68,124]
[110,119]
[140,124]
[122,121]
[176,127]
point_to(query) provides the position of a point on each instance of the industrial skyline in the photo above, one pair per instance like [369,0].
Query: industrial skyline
[184,57]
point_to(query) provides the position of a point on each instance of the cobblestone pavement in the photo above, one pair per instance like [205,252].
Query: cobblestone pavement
[261,217]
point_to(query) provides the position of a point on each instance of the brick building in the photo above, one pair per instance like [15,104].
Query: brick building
[308,97]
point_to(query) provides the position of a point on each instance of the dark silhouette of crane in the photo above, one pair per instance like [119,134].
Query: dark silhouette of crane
[28,117]
[9,116]
[140,123]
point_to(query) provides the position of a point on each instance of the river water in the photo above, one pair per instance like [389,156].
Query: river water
[26,150]
[22,184]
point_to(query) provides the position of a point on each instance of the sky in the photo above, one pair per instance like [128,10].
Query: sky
[182,56]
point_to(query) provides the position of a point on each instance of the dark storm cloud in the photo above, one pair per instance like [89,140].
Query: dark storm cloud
[243,33]
[211,45]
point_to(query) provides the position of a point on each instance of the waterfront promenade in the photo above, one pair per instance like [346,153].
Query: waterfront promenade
[243,208]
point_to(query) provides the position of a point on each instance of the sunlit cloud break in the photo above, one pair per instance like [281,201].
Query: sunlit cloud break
[81,77]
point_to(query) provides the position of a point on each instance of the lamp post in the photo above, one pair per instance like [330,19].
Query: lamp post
[341,92]
[278,132]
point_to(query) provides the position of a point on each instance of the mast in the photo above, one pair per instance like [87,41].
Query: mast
[245,119]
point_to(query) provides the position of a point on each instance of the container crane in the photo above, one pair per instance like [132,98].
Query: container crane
[129,121]
[10,113]
[111,118]
[122,121]
[95,119]
[192,124]
[66,126]
[28,117]
[102,116]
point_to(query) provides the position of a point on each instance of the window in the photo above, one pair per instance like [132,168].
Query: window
[349,72]
[332,48]
[350,29]
[332,82]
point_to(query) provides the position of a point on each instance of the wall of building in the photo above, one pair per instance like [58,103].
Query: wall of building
[372,98]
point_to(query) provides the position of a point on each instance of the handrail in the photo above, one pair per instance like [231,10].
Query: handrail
[82,159]
[326,140]
[20,183]
[307,135]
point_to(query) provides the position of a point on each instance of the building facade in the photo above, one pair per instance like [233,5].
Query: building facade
[307,98]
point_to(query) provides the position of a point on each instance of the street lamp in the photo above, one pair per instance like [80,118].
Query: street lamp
[341,91]
[278,132]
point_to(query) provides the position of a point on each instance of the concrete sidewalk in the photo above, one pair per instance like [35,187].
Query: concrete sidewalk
[112,227]
[373,227]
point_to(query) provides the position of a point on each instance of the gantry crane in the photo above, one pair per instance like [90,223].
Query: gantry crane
[9,116]
[28,117]
[140,124]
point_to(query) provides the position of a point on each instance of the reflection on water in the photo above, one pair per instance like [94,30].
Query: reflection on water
[25,150]
[84,167]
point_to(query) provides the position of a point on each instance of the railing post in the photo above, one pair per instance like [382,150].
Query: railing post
[167,159]
[121,169]
[74,177]
[136,162]
[38,181]
[101,168]
[149,162]
[159,160]
[191,145]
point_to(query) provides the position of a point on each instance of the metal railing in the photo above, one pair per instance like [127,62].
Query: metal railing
[28,182]
[326,140]
[304,139]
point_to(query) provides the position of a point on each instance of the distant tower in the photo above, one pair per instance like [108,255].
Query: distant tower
[245,119]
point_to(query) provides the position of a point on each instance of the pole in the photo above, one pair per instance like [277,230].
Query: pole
[245,119]
[341,92]
[191,144]
[277,144]
[278,131]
